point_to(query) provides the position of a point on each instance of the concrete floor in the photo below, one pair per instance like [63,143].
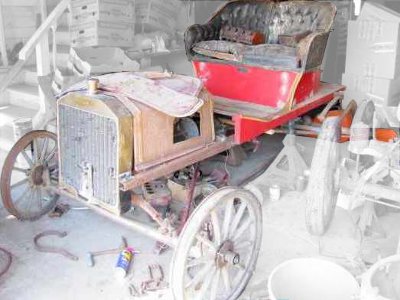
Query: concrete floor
[42,276]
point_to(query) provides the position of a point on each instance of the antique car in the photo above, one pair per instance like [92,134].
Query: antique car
[119,136]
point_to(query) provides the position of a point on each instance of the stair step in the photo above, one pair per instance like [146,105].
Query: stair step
[30,75]
[24,95]
[10,113]
[62,57]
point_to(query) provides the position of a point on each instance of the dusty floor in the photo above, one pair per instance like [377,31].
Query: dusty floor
[41,276]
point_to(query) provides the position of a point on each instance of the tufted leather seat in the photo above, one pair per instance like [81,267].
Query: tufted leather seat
[290,18]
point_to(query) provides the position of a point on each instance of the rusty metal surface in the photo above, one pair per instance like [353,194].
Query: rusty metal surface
[169,167]
[50,249]
[7,265]
[141,228]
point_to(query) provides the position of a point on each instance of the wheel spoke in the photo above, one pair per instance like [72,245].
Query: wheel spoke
[23,194]
[242,229]
[206,284]
[198,261]
[39,198]
[19,183]
[216,228]
[44,149]
[226,280]
[35,150]
[227,219]
[207,242]
[215,285]
[27,158]
[21,170]
[53,167]
[237,218]
[51,155]
[200,275]
[28,204]
[243,244]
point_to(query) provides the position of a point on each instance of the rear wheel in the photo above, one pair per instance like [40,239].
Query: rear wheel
[29,176]
[218,247]
[322,189]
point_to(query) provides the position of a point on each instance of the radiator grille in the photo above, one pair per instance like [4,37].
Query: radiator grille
[87,138]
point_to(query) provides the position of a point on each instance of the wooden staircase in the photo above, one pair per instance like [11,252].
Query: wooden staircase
[21,94]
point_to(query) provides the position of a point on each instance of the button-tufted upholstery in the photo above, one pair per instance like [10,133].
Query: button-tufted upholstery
[273,19]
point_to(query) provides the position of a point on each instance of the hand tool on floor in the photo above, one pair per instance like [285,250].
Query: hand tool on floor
[91,255]
[41,248]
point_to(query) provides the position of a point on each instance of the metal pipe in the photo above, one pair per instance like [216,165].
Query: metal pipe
[135,225]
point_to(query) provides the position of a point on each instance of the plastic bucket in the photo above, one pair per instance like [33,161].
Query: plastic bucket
[312,279]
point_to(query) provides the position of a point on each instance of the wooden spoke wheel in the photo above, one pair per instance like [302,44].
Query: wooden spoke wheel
[322,189]
[29,175]
[218,248]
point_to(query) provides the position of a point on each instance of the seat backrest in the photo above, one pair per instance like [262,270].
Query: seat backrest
[249,15]
[275,18]
[300,16]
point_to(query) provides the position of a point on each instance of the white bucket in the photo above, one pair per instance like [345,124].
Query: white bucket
[312,279]
[21,127]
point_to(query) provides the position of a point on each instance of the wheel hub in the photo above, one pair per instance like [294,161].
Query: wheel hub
[226,255]
[36,175]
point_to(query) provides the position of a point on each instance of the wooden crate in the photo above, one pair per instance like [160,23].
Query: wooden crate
[109,11]
[153,15]
[99,33]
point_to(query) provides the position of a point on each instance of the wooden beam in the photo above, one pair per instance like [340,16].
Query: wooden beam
[3,47]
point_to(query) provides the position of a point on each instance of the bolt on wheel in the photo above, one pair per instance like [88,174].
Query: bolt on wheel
[218,247]
[30,175]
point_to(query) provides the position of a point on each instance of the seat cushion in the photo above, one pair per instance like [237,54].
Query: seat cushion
[272,55]
[266,55]
[220,49]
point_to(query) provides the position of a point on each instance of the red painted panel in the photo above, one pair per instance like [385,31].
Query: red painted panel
[309,84]
[255,84]
[248,129]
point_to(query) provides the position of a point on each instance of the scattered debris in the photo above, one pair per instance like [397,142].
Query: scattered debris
[91,255]
[156,281]
[8,261]
[59,210]
[49,249]
[154,284]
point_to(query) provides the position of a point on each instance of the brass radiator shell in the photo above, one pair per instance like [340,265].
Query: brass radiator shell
[95,147]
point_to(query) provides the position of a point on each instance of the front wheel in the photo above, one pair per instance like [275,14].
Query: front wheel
[218,248]
[29,176]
